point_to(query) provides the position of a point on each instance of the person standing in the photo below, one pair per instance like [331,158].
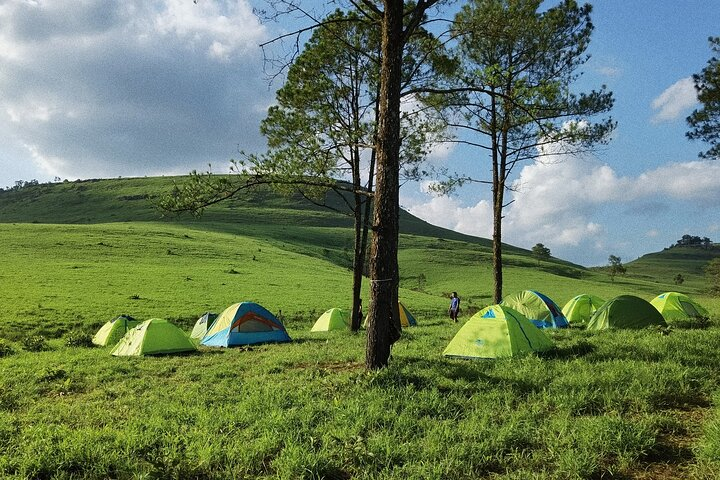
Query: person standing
[454,306]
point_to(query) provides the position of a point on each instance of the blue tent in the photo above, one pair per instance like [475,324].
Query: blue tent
[537,308]
[244,324]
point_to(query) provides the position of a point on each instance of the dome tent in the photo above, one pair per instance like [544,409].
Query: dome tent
[537,308]
[202,325]
[625,311]
[114,330]
[153,337]
[406,318]
[333,319]
[580,308]
[676,306]
[497,331]
[245,323]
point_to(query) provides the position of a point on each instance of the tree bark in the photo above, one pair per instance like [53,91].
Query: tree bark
[498,191]
[359,247]
[384,320]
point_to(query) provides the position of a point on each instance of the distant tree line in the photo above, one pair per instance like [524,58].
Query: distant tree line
[20,184]
[693,241]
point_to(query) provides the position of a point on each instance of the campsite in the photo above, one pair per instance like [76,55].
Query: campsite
[619,403]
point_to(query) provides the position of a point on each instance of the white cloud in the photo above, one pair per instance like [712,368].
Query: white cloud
[697,180]
[675,101]
[566,204]
[107,88]
[221,28]
[447,212]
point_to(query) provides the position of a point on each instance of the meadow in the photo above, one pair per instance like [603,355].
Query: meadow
[615,404]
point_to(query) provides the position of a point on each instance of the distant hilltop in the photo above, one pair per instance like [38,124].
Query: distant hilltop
[694,241]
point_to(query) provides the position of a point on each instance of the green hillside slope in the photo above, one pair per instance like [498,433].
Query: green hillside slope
[664,266]
[259,212]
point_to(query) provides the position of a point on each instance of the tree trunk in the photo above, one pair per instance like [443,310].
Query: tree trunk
[497,242]
[358,247]
[498,190]
[384,321]
[360,259]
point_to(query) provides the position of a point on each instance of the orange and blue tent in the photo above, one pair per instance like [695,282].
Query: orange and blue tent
[245,323]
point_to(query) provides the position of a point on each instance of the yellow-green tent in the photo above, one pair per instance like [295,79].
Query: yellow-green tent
[676,306]
[153,337]
[406,318]
[580,308]
[114,330]
[497,331]
[333,319]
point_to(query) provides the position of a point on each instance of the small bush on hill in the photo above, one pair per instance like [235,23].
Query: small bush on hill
[5,349]
[35,343]
[78,338]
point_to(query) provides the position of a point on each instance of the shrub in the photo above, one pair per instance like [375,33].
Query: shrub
[5,349]
[35,343]
[78,338]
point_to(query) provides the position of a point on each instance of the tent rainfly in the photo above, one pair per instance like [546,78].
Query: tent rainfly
[114,330]
[676,306]
[202,325]
[406,318]
[625,311]
[580,308]
[245,323]
[153,337]
[537,308]
[497,331]
[333,319]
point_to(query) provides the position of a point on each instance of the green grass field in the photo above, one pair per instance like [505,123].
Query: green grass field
[616,404]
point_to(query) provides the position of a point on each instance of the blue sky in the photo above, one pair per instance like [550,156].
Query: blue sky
[104,88]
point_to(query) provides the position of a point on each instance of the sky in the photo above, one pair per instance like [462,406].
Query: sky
[110,88]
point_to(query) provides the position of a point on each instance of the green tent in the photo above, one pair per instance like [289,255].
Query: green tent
[625,311]
[497,331]
[406,318]
[153,337]
[537,308]
[676,306]
[580,308]
[202,325]
[114,330]
[333,319]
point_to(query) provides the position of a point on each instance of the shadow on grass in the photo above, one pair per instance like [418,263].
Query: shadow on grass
[310,340]
[569,352]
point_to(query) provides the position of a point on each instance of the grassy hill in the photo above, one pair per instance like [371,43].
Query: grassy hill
[631,405]
[690,262]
